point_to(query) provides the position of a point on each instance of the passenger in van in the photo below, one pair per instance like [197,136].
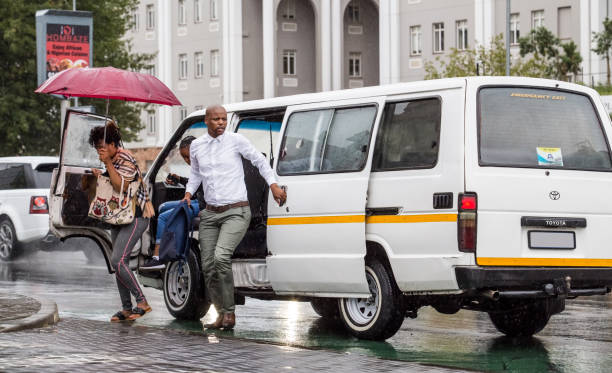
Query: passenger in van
[165,209]
[120,164]
[216,162]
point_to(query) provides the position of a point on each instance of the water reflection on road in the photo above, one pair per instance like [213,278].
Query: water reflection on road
[579,339]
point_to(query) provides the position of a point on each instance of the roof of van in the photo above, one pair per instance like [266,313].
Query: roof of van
[391,89]
[33,160]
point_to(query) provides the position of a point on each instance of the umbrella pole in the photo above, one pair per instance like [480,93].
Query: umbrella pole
[105,120]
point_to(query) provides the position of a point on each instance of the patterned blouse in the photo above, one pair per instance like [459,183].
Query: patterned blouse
[126,166]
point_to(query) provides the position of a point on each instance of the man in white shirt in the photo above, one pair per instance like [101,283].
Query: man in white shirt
[216,162]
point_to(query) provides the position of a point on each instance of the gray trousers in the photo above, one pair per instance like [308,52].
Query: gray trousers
[220,233]
[124,237]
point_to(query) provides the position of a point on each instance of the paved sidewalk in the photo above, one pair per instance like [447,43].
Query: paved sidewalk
[18,312]
[94,346]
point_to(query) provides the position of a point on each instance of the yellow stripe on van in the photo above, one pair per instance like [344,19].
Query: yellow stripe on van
[544,262]
[317,220]
[424,218]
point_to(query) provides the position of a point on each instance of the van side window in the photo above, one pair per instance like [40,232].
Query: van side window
[262,132]
[409,135]
[329,140]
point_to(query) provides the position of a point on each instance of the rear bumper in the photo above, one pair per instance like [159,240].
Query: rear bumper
[515,278]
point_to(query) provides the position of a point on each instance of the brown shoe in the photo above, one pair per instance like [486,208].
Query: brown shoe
[229,320]
[217,324]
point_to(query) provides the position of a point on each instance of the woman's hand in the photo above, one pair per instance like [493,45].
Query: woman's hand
[96,172]
[104,155]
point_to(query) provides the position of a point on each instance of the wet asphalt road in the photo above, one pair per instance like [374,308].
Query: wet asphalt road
[577,340]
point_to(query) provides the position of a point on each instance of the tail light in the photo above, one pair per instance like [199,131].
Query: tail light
[38,205]
[466,222]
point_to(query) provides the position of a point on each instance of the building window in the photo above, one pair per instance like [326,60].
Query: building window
[150,17]
[515,28]
[198,107]
[289,9]
[214,63]
[564,23]
[214,15]
[354,12]
[416,40]
[151,123]
[183,66]
[135,21]
[197,11]
[537,19]
[355,65]
[438,33]
[462,35]
[289,62]
[199,64]
[183,112]
[182,14]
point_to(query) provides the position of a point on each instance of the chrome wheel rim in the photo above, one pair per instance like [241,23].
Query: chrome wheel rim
[178,283]
[6,240]
[363,310]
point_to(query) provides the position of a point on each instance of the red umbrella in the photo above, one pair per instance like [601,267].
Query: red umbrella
[109,83]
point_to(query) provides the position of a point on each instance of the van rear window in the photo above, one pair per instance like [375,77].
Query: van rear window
[540,128]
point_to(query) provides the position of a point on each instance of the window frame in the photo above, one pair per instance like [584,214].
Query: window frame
[197,11]
[214,10]
[439,31]
[182,13]
[291,55]
[515,28]
[479,128]
[198,62]
[539,19]
[462,35]
[214,63]
[135,20]
[381,124]
[153,116]
[355,56]
[354,12]
[288,11]
[334,108]
[150,18]
[419,39]
[183,62]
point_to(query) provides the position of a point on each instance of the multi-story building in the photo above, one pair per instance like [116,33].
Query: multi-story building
[221,51]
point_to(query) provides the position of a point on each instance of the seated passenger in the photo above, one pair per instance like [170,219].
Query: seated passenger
[165,209]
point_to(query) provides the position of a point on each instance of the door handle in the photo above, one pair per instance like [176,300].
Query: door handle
[284,189]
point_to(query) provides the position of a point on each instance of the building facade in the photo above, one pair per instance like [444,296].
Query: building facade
[222,51]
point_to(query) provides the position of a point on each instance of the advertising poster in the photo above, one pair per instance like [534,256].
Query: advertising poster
[67,46]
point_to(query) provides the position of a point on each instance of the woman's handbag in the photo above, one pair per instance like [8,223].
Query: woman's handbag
[111,206]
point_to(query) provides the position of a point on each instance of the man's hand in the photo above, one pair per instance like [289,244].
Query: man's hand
[280,196]
[187,198]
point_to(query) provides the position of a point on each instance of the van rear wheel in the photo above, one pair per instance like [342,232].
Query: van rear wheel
[524,319]
[184,290]
[381,315]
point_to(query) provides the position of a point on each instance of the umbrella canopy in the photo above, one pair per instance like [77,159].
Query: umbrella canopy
[109,83]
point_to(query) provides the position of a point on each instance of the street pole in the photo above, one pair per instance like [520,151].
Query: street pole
[507,37]
[76,99]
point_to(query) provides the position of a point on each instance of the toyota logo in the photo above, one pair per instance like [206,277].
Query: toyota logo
[554,195]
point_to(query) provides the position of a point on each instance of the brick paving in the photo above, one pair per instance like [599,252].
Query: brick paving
[93,346]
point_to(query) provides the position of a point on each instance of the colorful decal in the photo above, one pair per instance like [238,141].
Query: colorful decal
[549,156]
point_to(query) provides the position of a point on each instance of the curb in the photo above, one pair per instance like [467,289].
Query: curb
[47,315]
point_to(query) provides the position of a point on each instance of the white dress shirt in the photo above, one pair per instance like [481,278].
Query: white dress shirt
[216,163]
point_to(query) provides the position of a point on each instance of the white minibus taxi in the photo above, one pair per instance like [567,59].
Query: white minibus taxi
[481,193]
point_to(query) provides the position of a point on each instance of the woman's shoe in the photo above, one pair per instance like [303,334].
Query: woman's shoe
[139,312]
[121,316]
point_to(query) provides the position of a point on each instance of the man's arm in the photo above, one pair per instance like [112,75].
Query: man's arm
[248,151]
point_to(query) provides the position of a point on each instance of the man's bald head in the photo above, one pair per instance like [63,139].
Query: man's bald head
[215,119]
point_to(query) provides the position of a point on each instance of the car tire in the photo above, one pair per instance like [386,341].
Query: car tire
[9,247]
[184,293]
[381,315]
[326,307]
[524,319]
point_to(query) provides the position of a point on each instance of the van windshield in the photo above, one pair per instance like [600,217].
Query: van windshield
[540,128]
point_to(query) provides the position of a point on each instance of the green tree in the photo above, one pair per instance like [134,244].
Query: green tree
[603,42]
[556,59]
[491,61]
[30,122]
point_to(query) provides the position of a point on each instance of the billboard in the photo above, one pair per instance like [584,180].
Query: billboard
[63,41]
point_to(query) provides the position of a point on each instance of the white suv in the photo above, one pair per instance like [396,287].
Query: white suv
[24,211]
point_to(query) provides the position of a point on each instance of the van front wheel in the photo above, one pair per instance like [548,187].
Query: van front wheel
[183,289]
[524,319]
[381,315]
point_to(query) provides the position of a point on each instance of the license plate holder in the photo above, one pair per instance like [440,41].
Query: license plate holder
[551,240]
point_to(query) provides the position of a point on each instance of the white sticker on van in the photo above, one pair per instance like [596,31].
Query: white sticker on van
[549,156]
